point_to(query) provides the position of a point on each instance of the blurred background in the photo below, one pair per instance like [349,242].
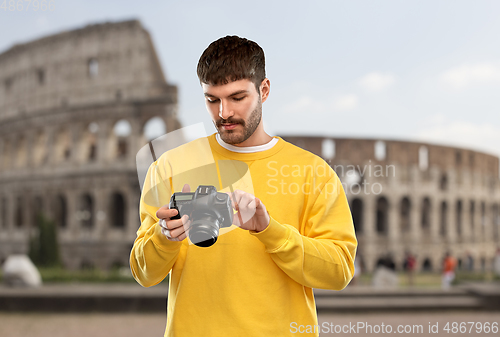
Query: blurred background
[400,98]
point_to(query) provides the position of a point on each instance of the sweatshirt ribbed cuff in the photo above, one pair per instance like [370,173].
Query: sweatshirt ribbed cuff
[274,236]
[160,240]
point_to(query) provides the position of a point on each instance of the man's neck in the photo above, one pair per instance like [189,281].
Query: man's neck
[255,140]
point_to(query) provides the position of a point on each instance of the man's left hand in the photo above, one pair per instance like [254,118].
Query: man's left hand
[251,213]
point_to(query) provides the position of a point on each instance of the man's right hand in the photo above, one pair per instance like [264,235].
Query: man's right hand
[174,230]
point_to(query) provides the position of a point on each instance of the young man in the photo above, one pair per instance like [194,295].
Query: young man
[292,231]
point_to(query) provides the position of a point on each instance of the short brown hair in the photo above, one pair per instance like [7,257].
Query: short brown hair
[232,58]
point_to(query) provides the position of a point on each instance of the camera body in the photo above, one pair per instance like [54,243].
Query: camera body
[208,211]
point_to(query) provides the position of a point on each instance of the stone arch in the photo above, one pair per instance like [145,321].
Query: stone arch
[87,264]
[382,218]
[21,154]
[62,145]
[116,264]
[118,210]
[380,150]
[427,265]
[443,218]
[37,210]
[404,212]
[423,158]
[357,214]
[6,162]
[328,148]
[19,213]
[495,221]
[86,211]
[120,141]
[154,128]
[443,182]
[472,217]
[425,216]
[3,212]
[483,219]
[89,142]
[40,152]
[459,215]
[60,211]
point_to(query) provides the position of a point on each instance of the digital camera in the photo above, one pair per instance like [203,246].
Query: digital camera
[208,211]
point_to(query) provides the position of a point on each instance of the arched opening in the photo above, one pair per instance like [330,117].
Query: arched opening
[40,153]
[87,265]
[423,158]
[382,215]
[459,217]
[495,219]
[483,220]
[90,142]
[21,153]
[443,219]
[155,127]
[328,149]
[3,213]
[6,161]
[86,211]
[380,150]
[427,265]
[93,67]
[37,208]
[121,132]
[19,213]
[472,211]
[117,210]
[404,212]
[60,211]
[443,182]
[62,146]
[426,215]
[357,214]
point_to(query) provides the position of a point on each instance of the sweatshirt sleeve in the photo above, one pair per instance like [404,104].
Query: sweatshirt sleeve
[323,256]
[153,255]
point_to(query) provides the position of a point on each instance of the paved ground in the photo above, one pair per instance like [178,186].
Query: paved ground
[134,325]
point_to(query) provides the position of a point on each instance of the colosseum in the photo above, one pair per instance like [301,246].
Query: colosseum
[74,112]
[74,109]
[416,197]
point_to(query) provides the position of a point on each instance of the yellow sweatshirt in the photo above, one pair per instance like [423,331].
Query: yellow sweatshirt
[248,283]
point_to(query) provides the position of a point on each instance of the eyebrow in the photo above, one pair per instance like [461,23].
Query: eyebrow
[233,94]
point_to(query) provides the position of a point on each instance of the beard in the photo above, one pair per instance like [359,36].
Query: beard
[249,126]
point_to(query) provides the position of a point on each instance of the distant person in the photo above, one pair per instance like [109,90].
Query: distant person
[449,265]
[410,266]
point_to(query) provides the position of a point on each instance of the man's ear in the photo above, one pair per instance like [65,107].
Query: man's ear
[265,88]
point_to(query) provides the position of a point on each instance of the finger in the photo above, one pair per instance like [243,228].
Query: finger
[173,224]
[186,188]
[174,233]
[166,213]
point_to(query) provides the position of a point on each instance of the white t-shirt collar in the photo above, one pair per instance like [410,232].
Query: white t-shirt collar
[246,149]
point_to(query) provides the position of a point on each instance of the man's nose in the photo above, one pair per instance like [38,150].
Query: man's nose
[225,110]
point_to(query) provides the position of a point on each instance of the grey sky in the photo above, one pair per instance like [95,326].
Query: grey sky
[427,70]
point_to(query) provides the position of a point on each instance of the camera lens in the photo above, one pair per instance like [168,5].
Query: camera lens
[204,231]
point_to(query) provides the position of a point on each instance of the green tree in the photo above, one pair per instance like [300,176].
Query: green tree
[44,248]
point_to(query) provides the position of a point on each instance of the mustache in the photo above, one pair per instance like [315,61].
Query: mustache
[230,121]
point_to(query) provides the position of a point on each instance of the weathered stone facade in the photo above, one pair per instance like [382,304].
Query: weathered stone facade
[63,100]
[417,197]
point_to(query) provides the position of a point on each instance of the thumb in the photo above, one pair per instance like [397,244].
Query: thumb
[186,188]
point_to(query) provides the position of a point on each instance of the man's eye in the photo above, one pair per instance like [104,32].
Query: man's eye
[238,98]
[212,100]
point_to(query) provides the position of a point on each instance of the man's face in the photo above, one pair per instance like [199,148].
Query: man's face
[235,108]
